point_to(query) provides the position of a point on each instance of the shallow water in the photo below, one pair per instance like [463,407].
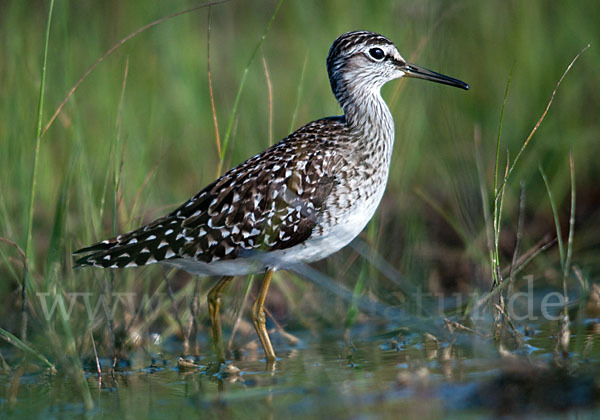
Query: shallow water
[392,376]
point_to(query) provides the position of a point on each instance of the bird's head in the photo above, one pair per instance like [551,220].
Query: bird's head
[367,60]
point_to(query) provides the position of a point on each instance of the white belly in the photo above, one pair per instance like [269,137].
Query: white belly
[333,238]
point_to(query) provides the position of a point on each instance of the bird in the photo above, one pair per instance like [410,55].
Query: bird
[297,202]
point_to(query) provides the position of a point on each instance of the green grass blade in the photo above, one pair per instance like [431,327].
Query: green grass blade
[359,287]
[56,248]
[5,257]
[496,165]
[567,265]
[243,82]
[38,131]
[117,143]
[10,338]
[561,249]
[106,182]
[270,96]
[541,119]
[494,255]
[27,283]
[6,224]
[71,357]
[299,94]
[8,233]
[498,206]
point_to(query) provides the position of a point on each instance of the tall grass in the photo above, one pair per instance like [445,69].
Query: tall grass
[130,138]
[30,260]
[236,102]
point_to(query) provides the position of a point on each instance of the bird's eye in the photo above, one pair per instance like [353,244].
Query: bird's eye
[377,53]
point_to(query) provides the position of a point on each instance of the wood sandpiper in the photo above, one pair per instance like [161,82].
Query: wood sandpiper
[298,201]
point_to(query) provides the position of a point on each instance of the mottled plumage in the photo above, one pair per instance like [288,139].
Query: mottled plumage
[300,200]
[272,201]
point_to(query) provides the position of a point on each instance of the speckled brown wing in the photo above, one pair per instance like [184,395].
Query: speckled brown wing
[272,201]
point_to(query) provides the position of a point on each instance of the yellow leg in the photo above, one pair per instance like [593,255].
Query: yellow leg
[258,317]
[214,306]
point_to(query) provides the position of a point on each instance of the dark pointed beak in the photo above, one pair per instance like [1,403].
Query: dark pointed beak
[417,72]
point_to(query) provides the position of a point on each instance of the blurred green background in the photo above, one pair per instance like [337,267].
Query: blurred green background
[154,134]
[137,138]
